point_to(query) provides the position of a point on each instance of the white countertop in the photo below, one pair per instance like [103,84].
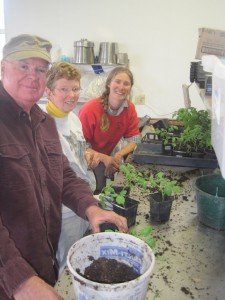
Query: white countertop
[189,255]
[64,285]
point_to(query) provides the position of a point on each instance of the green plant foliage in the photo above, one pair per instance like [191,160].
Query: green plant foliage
[164,185]
[120,198]
[109,192]
[167,135]
[145,231]
[196,135]
[132,176]
[144,234]
[151,242]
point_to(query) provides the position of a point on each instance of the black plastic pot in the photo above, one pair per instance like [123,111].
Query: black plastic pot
[129,210]
[160,210]
[151,137]
[108,226]
[118,189]
[167,149]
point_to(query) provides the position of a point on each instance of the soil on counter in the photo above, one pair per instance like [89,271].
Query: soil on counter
[164,234]
[104,270]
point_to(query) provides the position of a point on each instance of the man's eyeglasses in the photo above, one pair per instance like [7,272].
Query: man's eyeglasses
[67,91]
[28,69]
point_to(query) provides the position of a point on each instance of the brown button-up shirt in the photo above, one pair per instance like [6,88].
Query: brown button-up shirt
[35,179]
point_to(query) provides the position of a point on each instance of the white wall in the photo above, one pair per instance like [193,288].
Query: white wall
[160,37]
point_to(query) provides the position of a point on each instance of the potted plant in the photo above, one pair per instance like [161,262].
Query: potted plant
[161,200]
[196,136]
[168,137]
[190,143]
[120,202]
[109,194]
[118,199]
[191,116]
[132,176]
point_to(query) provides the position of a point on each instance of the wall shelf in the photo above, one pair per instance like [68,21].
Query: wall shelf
[93,78]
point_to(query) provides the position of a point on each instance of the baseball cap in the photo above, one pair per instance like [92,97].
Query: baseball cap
[27,46]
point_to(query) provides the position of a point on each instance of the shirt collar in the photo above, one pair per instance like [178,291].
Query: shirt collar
[116,113]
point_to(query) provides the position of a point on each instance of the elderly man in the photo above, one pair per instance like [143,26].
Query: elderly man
[35,177]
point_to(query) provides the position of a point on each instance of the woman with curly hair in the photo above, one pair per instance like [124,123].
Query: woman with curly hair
[63,91]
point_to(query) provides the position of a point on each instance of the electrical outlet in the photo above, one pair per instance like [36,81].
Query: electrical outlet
[140,99]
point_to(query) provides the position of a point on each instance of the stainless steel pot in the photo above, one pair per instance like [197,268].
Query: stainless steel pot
[84,52]
[108,53]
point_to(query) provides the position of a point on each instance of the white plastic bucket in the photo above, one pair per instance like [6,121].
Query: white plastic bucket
[113,245]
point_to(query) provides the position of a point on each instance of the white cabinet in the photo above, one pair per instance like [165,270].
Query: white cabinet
[216,66]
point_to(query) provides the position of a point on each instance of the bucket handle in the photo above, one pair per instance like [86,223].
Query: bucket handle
[216,196]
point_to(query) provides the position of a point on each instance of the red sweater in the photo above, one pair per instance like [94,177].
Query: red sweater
[124,125]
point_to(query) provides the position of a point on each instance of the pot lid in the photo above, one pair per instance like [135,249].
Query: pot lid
[83,43]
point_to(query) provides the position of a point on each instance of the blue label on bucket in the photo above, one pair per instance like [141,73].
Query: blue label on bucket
[132,256]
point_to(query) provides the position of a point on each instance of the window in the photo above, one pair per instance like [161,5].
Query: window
[2,27]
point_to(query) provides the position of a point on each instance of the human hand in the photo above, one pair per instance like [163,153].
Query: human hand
[111,166]
[92,158]
[35,288]
[118,157]
[110,171]
[97,216]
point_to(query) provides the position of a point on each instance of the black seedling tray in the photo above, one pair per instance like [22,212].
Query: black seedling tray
[152,154]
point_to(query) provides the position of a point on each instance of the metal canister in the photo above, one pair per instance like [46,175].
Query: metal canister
[108,53]
[84,52]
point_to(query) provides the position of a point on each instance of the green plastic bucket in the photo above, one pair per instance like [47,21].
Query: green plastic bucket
[210,196]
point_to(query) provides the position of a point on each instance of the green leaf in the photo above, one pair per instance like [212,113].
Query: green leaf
[168,191]
[133,232]
[123,193]
[145,231]
[120,200]
[151,242]
[123,168]
[103,205]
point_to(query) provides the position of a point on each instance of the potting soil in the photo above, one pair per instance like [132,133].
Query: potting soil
[104,270]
